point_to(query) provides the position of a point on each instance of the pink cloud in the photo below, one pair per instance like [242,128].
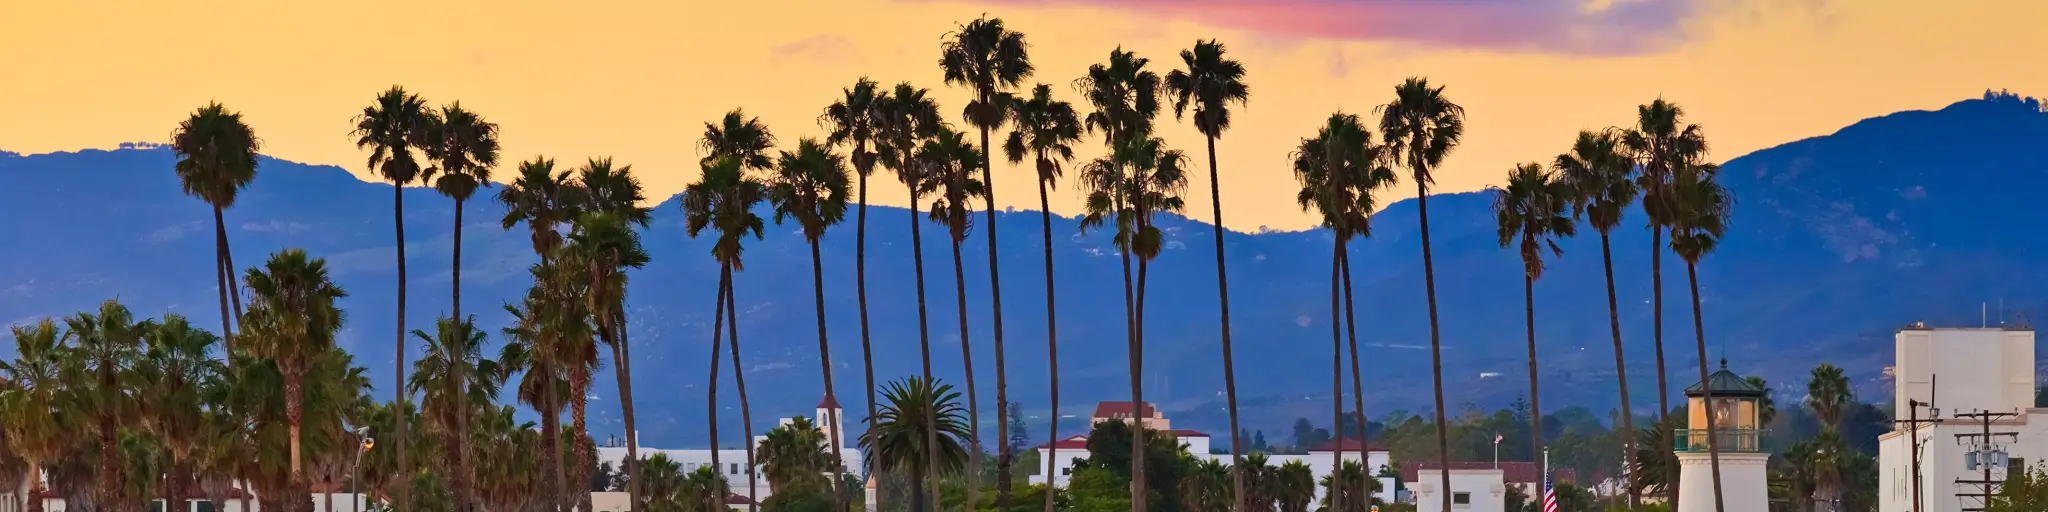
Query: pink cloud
[1609,27]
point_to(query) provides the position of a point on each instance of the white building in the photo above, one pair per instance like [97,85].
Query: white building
[1938,374]
[1321,460]
[1476,486]
[733,461]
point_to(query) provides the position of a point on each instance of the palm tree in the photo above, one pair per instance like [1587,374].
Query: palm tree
[1046,131]
[1338,171]
[1259,476]
[1533,207]
[1126,99]
[1211,83]
[392,127]
[105,347]
[465,146]
[907,116]
[1206,486]
[604,238]
[29,399]
[531,350]
[1294,486]
[455,353]
[723,199]
[1699,219]
[1659,139]
[292,320]
[992,59]
[949,162]
[174,366]
[810,187]
[1421,127]
[855,121]
[544,200]
[216,160]
[901,439]
[1828,394]
[793,458]
[1600,177]
[1346,498]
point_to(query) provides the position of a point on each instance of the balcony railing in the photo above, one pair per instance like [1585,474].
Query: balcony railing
[1726,439]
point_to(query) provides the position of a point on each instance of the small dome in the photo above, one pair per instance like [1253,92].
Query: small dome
[1726,383]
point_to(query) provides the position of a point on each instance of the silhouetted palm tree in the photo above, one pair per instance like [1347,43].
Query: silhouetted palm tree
[1699,218]
[1421,127]
[466,148]
[1656,142]
[292,320]
[217,158]
[531,349]
[1601,178]
[175,365]
[902,439]
[810,187]
[1533,208]
[949,162]
[908,117]
[723,199]
[1046,131]
[855,121]
[392,128]
[30,398]
[1126,99]
[992,59]
[605,239]
[103,346]
[1211,83]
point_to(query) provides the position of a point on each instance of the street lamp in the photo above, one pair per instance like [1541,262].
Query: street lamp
[355,482]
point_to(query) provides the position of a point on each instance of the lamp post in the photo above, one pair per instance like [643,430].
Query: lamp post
[355,482]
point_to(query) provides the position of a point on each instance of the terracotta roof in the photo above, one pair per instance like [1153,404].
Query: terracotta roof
[194,494]
[1187,433]
[735,499]
[1349,445]
[1112,409]
[1070,443]
[828,403]
[1514,472]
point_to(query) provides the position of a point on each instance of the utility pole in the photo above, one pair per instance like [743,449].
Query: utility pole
[1913,422]
[1987,454]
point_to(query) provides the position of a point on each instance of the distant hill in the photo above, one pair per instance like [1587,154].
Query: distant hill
[1835,241]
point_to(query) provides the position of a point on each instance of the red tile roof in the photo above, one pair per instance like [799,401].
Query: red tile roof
[1514,472]
[194,494]
[735,499]
[1349,445]
[828,403]
[1112,409]
[1071,443]
[1186,433]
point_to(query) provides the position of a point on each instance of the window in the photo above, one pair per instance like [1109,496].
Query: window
[732,468]
[1461,498]
[2014,466]
[1066,471]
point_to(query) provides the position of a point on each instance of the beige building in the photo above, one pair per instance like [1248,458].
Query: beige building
[1146,414]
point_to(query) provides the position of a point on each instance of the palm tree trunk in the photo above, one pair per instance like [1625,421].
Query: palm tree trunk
[294,410]
[227,257]
[1137,390]
[1436,351]
[825,368]
[924,343]
[579,407]
[398,215]
[1628,417]
[739,383]
[995,280]
[717,325]
[1052,349]
[1237,476]
[1357,380]
[623,357]
[224,281]
[1706,392]
[1535,395]
[551,434]
[109,483]
[35,487]
[860,286]
[973,444]
[465,501]
[1657,327]
[917,499]
[1336,375]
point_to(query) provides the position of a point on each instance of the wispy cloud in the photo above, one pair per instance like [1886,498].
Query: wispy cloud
[822,47]
[1587,27]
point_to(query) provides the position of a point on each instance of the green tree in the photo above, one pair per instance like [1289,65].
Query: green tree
[175,364]
[1346,497]
[1600,176]
[794,460]
[465,146]
[29,399]
[1045,132]
[854,121]
[395,125]
[104,348]
[1534,208]
[1294,486]
[217,157]
[1206,487]
[292,321]
[899,441]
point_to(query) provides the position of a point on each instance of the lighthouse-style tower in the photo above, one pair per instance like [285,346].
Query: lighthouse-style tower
[1736,432]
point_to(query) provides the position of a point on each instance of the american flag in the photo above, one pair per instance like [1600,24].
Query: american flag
[1549,493]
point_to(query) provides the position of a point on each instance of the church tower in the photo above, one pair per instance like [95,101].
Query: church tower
[829,410]
[1727,405]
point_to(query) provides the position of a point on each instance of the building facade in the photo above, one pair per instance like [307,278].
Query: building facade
[1475,486]
[732,462]
[1058,467]
[1938,374]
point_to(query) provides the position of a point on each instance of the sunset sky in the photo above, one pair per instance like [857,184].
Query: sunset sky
[636,80]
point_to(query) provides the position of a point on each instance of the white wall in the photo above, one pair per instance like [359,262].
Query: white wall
[1319,463]
[1942,463]
[1951,364]
[1484,490]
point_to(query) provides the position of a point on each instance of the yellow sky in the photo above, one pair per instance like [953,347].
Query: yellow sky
[635,80]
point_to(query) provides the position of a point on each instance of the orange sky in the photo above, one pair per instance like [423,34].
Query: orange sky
[635,80]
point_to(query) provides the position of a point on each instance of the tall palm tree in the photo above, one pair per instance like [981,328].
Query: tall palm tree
[216,160]
[29,400]
[1046,131]
[1211,83]
[723,199]
[1601,179]
[543,199]
[174,367]
[1338,171]
[907,117]
[465,146]
[530,349]
[292,320]
[1126,99]
[395,125]
[949,161]
[604,238]
[1699,219]
[903,434]
[1658,140]
[105,346]
[810,187]
[1533,208]
[992,59]
[1421,127]
[855,121]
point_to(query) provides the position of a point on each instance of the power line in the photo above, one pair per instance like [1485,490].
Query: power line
[1985,454]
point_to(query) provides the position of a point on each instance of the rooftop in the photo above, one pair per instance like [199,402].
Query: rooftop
[1726,383]
[1514,472]
[1125,408]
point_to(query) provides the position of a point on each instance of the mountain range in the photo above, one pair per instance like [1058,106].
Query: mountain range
[1835,241]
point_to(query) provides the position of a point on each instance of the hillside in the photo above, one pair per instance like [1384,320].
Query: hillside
[1835,240]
